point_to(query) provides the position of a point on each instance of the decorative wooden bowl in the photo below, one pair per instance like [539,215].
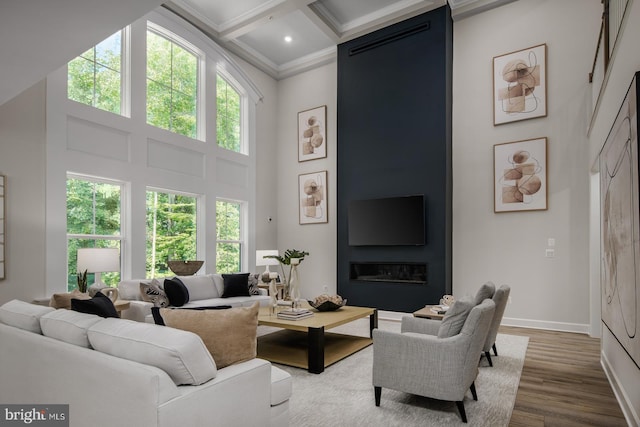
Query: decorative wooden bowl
[327,305]
[185,268]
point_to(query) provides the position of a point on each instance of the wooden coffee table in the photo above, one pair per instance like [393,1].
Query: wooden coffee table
[305,344]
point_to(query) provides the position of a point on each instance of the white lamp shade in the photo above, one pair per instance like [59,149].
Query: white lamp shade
[98,260]
[261,260]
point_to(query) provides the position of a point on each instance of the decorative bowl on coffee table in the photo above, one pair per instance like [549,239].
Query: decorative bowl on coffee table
[327,305]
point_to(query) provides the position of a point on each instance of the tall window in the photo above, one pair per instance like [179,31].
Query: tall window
[171,231]
[172,85]
[93,221]
[95,77]
[228,115]
[229,236]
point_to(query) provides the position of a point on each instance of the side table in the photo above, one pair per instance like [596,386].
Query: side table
[279,289]
[427,313]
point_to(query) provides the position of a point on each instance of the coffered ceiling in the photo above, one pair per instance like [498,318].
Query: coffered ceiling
[285,37]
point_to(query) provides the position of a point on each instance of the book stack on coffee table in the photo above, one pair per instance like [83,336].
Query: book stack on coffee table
[295,314]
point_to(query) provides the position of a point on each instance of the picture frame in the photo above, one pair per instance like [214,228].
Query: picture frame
[520,175]
[312,198]
[520,85]
[619,224]
[312,134]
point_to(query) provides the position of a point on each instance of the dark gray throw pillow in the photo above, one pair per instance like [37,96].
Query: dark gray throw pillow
[236,285]
[176,291]
[486,291]
[100,305]
[453,321]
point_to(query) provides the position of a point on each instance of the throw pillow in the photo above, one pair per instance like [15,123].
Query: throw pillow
[176,291]
[454,319]
[229,335]
[486,291]
[99,304]
[236,285]
[158,320]
[63,300]
[253,284]
[152,292]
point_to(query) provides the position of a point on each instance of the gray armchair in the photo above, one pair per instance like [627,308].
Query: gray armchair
[417,361]
[500,298]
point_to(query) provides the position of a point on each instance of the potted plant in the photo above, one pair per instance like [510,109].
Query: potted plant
[290,254]
[82,281]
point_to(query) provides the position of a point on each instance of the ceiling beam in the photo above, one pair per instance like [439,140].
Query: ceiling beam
[323,24]
[253,21]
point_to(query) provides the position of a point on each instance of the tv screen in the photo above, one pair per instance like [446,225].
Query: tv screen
[393,221]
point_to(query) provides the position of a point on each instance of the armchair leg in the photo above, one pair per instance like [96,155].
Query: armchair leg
[377,391]
[488,355]
[473,391]
[495,351]
[463,414]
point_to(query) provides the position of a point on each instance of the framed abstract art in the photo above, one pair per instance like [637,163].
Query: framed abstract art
[520,175]
[520,85]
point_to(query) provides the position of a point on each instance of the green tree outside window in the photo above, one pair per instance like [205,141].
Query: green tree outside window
[95,78]
[93,221]
[228,237]
[171,231]
[228,116]
[172,86]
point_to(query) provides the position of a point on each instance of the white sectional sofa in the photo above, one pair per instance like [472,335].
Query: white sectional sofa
[204,291]
[115,372]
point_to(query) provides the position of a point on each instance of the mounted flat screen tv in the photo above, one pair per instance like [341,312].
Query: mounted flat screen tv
[393,221]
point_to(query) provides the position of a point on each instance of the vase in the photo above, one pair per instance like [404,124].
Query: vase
[294,286]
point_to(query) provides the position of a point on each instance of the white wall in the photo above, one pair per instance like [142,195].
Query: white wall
[22,160]
[623,374]
[266,206]
[302,92]
[509,248]
[40,35]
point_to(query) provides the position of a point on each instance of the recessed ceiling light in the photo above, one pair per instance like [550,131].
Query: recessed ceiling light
[288,39]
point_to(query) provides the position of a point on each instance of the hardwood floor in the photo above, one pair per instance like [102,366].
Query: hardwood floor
[562,382]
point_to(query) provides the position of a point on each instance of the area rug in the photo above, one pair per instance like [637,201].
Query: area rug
[343,394]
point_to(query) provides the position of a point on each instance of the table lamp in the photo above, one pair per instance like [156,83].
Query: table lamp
[261,260]
[98,260]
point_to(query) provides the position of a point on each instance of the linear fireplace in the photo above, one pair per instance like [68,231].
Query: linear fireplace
[399,272]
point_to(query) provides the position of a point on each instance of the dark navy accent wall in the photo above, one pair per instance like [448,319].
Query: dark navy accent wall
[394,139]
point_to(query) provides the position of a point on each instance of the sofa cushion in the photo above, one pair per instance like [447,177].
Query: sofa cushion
[486,291]
[200,287]
[63,300]
[176,291]
[152,292]
[236,285]
[69,326]
[230,335]
[280,386]
[100,305]
[218,282]
[181,354]
[454,319]
[23,315]
[157,317]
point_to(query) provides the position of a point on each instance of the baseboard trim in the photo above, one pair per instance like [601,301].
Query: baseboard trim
[396,316]
[622,398]
[548,325]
